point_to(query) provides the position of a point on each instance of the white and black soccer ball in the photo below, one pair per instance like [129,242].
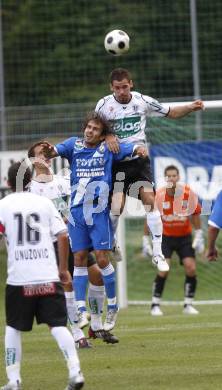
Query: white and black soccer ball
[117,42]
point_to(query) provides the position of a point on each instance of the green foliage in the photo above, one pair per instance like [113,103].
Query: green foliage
[54,53]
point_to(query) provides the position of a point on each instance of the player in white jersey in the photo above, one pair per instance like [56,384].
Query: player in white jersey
[128,112]
[33,287]
[57,188]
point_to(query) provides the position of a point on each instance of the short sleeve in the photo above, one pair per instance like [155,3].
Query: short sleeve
[65,148]
[155,108]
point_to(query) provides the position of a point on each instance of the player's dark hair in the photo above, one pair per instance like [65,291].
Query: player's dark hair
[171,168]
[31,151]
[119,74]
[100,119]
[19,168]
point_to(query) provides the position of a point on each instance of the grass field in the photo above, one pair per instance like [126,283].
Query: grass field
[174,352]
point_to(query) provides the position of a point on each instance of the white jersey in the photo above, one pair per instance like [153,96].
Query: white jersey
[58,189]
[129,120]
[28,221]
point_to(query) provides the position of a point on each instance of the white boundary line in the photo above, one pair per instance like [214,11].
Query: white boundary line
[178,303]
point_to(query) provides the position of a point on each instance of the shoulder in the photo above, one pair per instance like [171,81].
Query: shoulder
[8,199]
[188,190]
[142,98]
[61,180]
[103,101]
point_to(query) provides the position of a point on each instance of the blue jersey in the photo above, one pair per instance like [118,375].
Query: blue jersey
[91,168]
[216,215]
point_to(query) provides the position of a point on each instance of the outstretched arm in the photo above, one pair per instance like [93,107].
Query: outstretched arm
[180,111]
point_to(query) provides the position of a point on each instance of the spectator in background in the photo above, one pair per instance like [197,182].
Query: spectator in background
[178,206]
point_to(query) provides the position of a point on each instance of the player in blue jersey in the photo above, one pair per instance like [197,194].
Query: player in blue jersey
[214,226]
[91,180]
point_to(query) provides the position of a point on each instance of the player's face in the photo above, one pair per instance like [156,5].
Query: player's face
[172,177]
[92,133]
[41,160]
[121,90]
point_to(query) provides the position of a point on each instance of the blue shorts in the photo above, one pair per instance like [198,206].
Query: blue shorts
[97,236]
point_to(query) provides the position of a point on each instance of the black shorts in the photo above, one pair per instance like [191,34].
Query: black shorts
[181,245]
[91,260]
[21,309]
[130,172]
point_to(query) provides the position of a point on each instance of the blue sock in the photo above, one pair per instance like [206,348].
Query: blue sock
[109,280]
[80,283]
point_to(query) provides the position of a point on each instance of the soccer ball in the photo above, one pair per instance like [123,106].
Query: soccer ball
[117,42]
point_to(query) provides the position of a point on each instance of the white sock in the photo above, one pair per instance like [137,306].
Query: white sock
[188,301]
[72,308]
[66,344]
[96,296]
[72,311]
[156,300]
[155,225]
[13,353]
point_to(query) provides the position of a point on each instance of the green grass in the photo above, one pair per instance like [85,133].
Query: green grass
[141,273]
[175,352]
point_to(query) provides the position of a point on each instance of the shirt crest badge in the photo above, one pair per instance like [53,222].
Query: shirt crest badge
[79,144]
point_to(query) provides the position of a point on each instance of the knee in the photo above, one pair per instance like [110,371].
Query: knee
[80,259]
[191,270]
[95,276]
[102,259]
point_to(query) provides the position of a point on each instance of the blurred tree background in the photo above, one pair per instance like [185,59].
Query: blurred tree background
[53,50]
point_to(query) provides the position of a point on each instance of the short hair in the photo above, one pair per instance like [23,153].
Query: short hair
[14,171]
[171,168]
[96,117]
[31,151]
[119,74]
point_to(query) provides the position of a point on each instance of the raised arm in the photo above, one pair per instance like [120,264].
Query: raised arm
[180,111]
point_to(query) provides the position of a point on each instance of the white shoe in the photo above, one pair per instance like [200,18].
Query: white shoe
[12,386]
[160,262]
[84,318]
[156,311]
[189,309]
[76,382]
[110,320]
